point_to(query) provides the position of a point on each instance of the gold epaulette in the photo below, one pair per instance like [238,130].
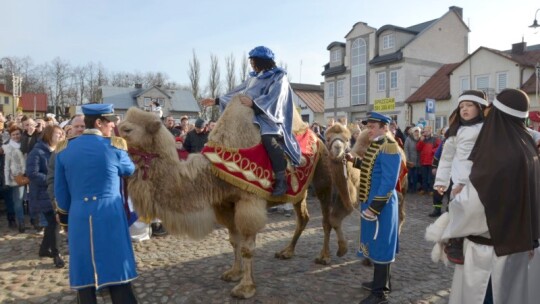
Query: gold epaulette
[390,147]
[119,143]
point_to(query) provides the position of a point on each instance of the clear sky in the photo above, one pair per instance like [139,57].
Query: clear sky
[152,35]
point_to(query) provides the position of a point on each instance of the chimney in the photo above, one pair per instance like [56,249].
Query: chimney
[138,86]
[458,10]
[519,48]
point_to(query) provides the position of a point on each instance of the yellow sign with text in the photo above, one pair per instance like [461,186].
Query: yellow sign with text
[384,104]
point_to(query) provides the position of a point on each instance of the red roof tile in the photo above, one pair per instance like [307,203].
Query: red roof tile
[311,95]
[3,89]
[437,87]
[27,102]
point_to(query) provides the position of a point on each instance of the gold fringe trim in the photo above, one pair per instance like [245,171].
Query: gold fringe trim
[267,195]
[390,147]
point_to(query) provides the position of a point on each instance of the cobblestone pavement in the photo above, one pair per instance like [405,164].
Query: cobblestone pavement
[177,270]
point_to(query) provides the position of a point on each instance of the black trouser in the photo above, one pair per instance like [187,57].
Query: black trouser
[51,235]
[120,294]
[275,152]
[381,280]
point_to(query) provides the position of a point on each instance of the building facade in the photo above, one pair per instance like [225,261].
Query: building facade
[378,69]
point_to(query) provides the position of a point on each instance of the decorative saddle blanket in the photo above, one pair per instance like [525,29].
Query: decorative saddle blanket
[250,168]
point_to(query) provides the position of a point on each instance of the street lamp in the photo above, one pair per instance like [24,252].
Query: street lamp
[535,23]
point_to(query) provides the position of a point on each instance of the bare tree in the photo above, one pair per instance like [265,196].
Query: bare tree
[80,74]
[195,76]
[59,74]
[214,85]
[244,68]
[230,76]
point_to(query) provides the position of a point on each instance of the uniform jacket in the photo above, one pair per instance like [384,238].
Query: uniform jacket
[378,177]
[36,169]
[87,188]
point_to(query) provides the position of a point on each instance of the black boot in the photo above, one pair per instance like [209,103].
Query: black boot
[280,184]
[11,221]
[59,261]
[22,229]
[436,212]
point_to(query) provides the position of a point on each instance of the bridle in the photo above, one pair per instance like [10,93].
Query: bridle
[144,161]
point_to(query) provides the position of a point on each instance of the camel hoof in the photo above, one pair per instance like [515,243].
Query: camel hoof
[284,254]
[232,276]
[322,261]
[342,249]
[243,291]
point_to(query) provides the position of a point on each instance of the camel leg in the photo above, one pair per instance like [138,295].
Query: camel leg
[250,217]
[234,274]
[323,191]
[302,218]
[225,216]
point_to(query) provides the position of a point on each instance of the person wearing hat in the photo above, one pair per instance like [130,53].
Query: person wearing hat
[498,209]
[413,159]
[454,165]
[268,92]
[87,186]
[196,138]
[379,205]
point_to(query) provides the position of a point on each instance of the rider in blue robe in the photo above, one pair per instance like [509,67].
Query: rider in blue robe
[271,99]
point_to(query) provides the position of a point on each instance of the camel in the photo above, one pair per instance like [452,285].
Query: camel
[189,198]
[337,138]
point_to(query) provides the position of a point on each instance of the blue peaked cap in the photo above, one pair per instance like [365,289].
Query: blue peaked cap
[102,109]
[261,52]
[377,117]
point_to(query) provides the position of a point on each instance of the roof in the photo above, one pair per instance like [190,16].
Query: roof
[329,71]
[397,56]
[27,102]
[336,43]
[125,98]
[437,87]
[312,95]
[3,89]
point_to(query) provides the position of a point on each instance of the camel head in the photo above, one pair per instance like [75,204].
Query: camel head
[337,141]
[138,128]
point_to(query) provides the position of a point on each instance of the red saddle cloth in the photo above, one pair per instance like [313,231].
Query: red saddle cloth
[250,168]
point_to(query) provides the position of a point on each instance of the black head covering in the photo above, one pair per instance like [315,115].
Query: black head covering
[506,174]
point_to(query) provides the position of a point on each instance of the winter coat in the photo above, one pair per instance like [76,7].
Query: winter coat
[426,148]
[37,164]
[410,151]
[14,163]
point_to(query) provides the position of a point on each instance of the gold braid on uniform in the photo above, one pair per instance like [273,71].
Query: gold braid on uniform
[365,170]
[390,146]
[119,143]
[63,144]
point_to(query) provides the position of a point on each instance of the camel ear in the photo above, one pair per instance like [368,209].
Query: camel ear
[153,127]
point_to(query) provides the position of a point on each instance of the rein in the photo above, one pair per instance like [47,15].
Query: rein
[144,161]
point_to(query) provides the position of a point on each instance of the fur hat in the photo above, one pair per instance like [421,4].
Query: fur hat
[512,102]
[414,129]
[199,123]
[474,96]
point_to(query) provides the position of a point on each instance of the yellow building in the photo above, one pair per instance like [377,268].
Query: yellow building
[6,101]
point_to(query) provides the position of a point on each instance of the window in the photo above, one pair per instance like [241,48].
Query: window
[381,81]
[6,100]
[440,122]
[482,82]
[393,80]
[501,81]
[388,41]
[465,84]
[335,56]
[147,101]
[330,92]
[339,88]
[358,72]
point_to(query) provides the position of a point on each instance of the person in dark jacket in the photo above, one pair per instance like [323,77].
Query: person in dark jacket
[36,169]
[196,138]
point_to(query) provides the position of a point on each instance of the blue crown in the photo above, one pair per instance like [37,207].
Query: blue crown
[261,52]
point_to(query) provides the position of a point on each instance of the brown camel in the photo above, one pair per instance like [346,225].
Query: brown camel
[189,198]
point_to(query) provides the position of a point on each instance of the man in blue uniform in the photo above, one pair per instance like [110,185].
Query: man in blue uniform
[87,187]
[379,205]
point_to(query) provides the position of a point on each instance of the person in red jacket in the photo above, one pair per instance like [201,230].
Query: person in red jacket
[426,146]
